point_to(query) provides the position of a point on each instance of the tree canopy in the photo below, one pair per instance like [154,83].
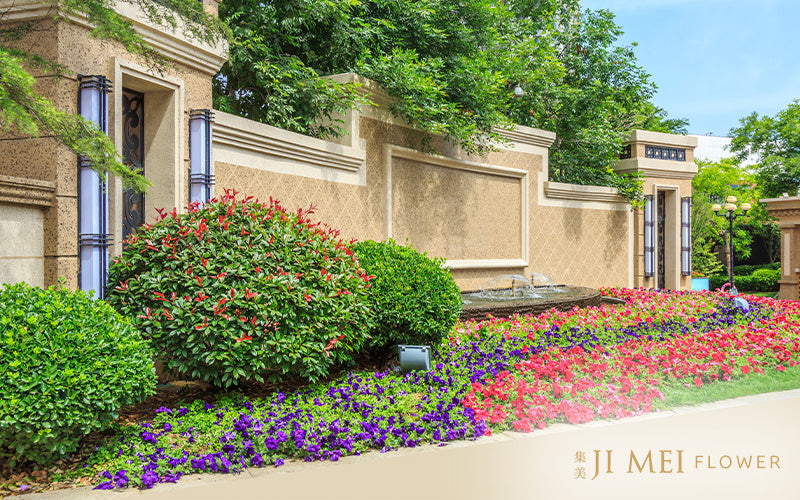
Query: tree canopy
[452,68]
[776,141]
[714,182]
[26,112]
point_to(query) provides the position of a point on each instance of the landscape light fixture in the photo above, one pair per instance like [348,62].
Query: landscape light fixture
[93,236]
[414,357]
[731,215]
[518,91]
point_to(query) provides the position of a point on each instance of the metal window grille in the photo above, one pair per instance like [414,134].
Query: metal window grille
[93,236]
[649,236]
[663,153]
[686,236]
[201,176]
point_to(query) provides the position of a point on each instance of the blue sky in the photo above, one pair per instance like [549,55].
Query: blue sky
[714,61]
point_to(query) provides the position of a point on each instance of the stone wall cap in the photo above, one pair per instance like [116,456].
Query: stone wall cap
[24,191]
[662,139]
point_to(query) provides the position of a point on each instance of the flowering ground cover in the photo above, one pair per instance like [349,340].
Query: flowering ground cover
[583,372]
[520,373]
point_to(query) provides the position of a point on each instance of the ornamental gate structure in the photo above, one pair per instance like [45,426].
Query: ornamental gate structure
[787,210]
[661,243]
[58,218]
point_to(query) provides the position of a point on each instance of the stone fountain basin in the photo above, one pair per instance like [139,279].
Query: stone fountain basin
[564,299]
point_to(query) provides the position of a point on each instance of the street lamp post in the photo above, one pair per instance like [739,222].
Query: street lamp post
[730,209]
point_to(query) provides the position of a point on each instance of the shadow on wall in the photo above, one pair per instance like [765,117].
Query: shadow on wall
[429,202]
[617,244]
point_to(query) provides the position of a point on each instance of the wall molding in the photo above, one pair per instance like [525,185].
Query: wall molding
[239,141]
[391,151]
[528,135]
[485,263]
[22,191]
[170,43]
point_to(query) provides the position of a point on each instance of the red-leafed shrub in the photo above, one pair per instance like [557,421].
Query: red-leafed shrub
[239,289]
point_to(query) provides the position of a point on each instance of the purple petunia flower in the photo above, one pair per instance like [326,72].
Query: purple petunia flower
[278,462]
[149,478]
[148,437]
[121,478]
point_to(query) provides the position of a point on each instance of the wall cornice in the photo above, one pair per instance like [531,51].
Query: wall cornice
[529,135]
[563,191]
[23,191]
[663,169]
[172,44]
[240,141]
[662,139]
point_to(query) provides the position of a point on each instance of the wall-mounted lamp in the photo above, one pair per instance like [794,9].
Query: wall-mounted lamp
[201,176]
[93,237]
[649,236]
[414,357]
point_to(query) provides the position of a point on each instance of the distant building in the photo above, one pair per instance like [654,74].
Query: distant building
[714,148]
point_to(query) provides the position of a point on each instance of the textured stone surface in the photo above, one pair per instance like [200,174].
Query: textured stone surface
[585,297]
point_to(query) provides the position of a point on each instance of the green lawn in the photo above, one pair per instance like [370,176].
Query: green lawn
[772,381]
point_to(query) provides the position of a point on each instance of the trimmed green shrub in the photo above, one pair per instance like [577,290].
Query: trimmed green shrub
[746,270]
[239,290]
[717,281]
[69,363]
[415,300]
[763,279]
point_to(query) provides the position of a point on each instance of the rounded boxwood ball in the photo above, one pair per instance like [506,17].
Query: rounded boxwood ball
[413,298]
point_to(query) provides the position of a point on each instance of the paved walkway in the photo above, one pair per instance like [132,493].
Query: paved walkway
[741,448]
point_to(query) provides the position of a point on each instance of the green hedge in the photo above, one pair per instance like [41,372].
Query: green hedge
[748,269]
[762,279]
[70,362]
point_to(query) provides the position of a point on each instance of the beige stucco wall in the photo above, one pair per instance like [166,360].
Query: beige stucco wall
[22,251]
[587,247]
[485,215]
[458,214]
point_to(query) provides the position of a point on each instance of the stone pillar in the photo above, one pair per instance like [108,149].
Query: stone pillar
[666,162]
[787,211]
